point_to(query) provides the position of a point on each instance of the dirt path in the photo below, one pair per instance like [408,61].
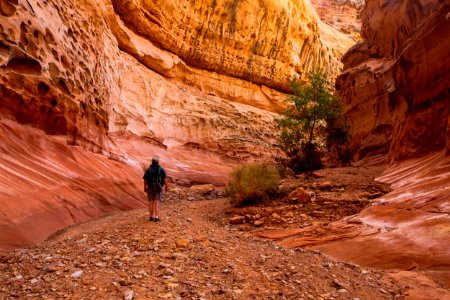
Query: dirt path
[189,255]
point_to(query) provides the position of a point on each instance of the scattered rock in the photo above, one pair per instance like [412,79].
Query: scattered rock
[128,295]
[300,195]
[325,185]
[77,274]
[203,189]
[258,223]
[237,220]
[182,243]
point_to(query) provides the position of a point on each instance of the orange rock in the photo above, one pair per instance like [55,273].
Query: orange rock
[300,195]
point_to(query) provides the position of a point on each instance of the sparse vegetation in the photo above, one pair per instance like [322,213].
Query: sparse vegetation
[313,115]
[252,183]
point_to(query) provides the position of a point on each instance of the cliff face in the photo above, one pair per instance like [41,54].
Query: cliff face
[344,15]
[399,76]
[168,72]
[196,83]
[264,42]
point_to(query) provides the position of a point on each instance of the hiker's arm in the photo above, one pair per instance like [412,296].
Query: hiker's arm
[166,184]
[145,185]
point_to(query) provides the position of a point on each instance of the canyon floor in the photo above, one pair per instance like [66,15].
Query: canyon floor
[196,253]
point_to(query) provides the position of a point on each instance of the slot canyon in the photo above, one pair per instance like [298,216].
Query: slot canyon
[91,90]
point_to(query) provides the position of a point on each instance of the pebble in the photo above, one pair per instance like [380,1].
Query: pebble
[128,295]
[77,274]
[34,280]
[183,243]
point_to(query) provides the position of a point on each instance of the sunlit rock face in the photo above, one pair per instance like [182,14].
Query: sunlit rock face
[264,42]
[86,70]
[395,83]
[196,83]
[53,74]
[344,15]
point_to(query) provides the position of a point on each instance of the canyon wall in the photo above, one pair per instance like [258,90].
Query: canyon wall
[89,69]
[197,83]
[399,76]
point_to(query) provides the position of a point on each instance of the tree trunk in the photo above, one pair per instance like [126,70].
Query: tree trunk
[311,132]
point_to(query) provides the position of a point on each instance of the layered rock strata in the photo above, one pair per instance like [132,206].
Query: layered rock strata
[399,76]
[344,15]
[197,83]
[264,42]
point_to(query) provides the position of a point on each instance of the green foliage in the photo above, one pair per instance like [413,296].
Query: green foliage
[252,183]
[311,109]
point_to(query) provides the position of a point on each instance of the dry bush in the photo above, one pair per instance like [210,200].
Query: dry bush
[252,184]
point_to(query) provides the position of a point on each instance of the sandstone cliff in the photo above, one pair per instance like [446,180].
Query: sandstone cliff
[197,83]
[344,15]
[89,69]
[399,76]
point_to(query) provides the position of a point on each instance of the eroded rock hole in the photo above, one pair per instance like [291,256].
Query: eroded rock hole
[7,7]
[63,86]
[53,102]
[43,89]
[4,49]
[25,65]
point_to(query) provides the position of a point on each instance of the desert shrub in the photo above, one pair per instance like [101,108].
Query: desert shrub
[252,184]
[313,114]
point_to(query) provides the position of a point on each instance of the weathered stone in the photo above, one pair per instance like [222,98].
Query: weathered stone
[300,195]
[203,189]
[182,243]
[237,220]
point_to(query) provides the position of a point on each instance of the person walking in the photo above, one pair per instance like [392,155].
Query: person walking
[155,182]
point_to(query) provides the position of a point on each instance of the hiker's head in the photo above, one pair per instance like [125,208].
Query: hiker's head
[155,160]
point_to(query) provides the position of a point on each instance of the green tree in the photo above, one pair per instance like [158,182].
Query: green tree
[310,108]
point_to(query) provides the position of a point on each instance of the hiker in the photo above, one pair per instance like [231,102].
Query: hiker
[155,181]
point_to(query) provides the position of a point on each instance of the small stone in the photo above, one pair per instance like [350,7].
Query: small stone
[18,277]
[93,288]
[101,264]
[342,291]
[258,223]
[124,282]
[77,274]
[364,272]
[203,189]
[237,220]
[300,195]
[128,295]
[183,243]
[383,291]
[325,185]
[34,280]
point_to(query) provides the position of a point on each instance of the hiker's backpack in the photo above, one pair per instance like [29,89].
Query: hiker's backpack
[154,180]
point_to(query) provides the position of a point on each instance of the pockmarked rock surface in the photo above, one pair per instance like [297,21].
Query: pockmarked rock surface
[395,82]
[197,84]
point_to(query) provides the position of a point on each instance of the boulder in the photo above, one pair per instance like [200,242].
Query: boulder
[237,220]
[300,195]
[203,189]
